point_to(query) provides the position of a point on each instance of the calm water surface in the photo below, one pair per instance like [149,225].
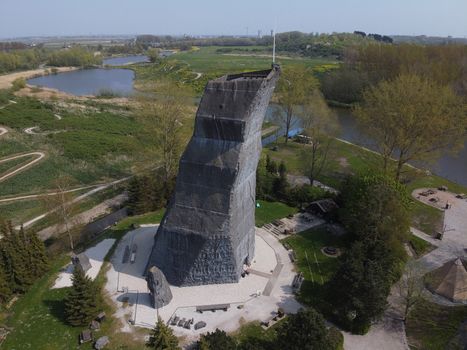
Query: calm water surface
[452,167]
[89,81]
[118,61]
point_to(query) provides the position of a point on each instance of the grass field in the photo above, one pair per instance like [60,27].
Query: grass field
[348,159]
[420,246]
[208,60]
[316,267]
[431,326]
[270,211]
[184,66]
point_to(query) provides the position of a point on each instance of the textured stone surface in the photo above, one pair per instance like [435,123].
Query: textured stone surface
[207,233]
[158,287]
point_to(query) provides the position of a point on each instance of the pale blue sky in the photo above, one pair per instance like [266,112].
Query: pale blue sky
[83,17]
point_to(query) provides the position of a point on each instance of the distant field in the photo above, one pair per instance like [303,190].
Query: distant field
[210,63]
[209,60]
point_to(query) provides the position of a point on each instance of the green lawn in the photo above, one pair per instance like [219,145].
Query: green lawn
[420,246]
[37,318]
[154,217]
[316,267]
[270,211]
[431,326]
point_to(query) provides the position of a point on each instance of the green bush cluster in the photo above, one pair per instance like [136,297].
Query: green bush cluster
[20,60]
[305,330]
[75,56]
[375,212]
[272,185]
[149,192]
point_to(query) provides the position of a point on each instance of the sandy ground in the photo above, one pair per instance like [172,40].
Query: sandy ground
[96,257]
[272,278]
[7,79]
[3,131]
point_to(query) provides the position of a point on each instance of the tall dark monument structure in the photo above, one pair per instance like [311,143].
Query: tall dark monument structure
[208,232]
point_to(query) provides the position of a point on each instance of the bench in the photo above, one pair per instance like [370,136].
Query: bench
[212,308]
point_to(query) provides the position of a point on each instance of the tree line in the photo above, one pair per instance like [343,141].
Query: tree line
[20,60]
[367,65]
[305,330]
[23,260]
[75,56]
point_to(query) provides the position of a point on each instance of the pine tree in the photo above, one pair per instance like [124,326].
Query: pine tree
[81,303]
[37,255]
[5,290]
[162,337]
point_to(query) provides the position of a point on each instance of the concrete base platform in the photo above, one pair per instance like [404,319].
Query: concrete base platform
[255,297]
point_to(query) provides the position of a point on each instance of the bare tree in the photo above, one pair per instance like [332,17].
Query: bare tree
[410,288]
[163,117]
[62,208]
[293,90]
[320,124]
[412,118]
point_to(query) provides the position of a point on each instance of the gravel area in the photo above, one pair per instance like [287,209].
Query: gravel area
[96,257]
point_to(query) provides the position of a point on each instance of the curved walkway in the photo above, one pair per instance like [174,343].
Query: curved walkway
[39,156]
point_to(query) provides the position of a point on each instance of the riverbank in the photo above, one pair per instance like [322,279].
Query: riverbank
[6,80]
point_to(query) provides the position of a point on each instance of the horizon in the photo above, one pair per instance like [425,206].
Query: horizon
[51,18]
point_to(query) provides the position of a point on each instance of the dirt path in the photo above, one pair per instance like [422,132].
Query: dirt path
[7,79]
[35,196]
[3,131]
[77,199]
[39,156]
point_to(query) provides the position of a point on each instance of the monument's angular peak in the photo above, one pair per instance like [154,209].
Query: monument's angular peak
[207,233]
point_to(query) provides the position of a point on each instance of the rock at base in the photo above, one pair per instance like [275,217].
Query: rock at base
[158,287]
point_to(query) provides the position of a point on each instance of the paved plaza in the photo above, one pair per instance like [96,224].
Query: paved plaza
[255,297]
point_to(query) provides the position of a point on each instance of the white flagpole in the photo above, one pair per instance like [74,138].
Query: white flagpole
[274,47]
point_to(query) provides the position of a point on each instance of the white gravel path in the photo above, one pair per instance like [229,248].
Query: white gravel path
[96,257]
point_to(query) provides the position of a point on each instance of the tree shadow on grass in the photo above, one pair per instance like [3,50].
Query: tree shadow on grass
[56,309]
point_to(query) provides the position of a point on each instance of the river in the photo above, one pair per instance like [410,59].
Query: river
[452,167]
[124,60]
[89,81]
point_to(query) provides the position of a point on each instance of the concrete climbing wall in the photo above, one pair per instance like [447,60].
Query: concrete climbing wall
[207,233]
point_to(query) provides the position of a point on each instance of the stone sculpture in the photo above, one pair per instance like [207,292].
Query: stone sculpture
[207,233]
[158,287]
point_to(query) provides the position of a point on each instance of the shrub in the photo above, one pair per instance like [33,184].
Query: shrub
[18,84]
